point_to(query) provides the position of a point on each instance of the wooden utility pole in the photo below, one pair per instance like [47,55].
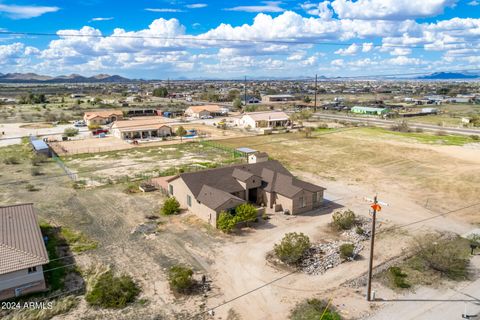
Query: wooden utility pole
[245,90]
[376,208]
[315,107]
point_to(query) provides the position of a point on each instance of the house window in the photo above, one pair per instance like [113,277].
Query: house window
[170,189]
[32,270]
[189,200]
[302,202]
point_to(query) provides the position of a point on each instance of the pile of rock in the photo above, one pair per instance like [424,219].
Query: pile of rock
[323,256]
[360,232]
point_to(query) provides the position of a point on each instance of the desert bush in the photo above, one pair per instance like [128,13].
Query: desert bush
[170,206]
[441,133]
[475,137]
[35,171]
[30,187]
[313,309]
[292,247]
[343,220]
[225,222]
[181,279]
[11,160]
[38,159]
[401,127]
[111,291]
[70,132]
[397,278]
[245,213]
[346,251]
[132,188]
[447,255]
[322,125]
[359,230]
[419,130]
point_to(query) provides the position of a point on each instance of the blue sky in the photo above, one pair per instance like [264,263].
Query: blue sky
[160,39]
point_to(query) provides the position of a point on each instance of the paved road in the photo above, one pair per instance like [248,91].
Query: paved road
[387,123]
[435,304]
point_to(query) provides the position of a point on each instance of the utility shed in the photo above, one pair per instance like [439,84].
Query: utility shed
[369,110]
[40,147]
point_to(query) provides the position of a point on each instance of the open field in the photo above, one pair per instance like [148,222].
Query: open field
[418,180]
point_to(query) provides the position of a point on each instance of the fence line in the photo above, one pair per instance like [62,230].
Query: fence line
[72,175]
[234,152]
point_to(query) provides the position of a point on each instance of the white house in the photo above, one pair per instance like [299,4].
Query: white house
[22,252]
[257,120]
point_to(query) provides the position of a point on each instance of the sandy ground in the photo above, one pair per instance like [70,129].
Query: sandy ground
[13,130]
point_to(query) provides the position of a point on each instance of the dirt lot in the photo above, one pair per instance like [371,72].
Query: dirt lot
[418,181]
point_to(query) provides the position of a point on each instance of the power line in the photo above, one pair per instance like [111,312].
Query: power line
[227,40]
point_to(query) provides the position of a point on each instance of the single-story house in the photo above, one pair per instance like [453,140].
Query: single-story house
[22,251]
[269,119]
[205,111]
[266,183]
[141,129]
[102,117]
[278,98]
[369,110]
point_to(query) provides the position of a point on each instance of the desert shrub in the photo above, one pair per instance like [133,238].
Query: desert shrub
[441,133]
[30,187]
[419,130]
[35,171]
[401,127]
[111,291]
[70,132]
[475,137]
[180,278]
[359,230]
[292,247]
[322,125]
[38,159]
[449,256]
[225,222]
[343,220]
[397,278]
[245,213]
[346,251]
[170,206]
[132,188]
[11,160]
[313,309]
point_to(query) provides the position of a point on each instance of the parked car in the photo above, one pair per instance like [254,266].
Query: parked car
[206,117]
[80,123]
[99,131]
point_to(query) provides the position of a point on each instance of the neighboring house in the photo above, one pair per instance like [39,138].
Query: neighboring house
[267,183]
[250,100]
[22,252]
[272,119]
[369,110]
[278,98]
[102,117]
[141,129]
[205,111]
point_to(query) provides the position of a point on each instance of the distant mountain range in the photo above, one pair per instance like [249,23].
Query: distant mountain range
[73,78]
[448,76]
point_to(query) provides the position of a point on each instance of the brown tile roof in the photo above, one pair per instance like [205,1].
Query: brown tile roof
[210,108]
[275,177]
[21,241]
[214,198]
[140,124]
[102,114]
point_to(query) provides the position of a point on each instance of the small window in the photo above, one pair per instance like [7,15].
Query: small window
[189,200]
[170,189]
[32,269]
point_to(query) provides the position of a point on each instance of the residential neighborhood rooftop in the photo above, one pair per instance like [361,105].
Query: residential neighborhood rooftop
[21,242]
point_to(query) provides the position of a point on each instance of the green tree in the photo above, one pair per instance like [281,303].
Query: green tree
[70,132]
[344,220]
[170,206]
[245,213]
[180,278]
[237,103]
[160,92]
[181,131]
[233,95]
[225,222]
[307,99]
[292,247]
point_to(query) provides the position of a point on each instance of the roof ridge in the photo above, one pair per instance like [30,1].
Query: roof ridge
[17,205]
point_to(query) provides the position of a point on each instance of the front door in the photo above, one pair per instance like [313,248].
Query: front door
[252,195]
